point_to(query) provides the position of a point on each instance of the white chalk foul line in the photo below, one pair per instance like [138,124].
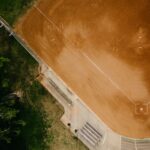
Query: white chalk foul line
[47,18]
[98,68]
[54,24]
[107,77]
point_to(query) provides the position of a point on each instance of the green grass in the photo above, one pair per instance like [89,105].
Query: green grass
[63,139]
[35,134]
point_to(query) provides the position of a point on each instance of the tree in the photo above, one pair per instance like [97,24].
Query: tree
[23,122]
[4,81]
[10,123]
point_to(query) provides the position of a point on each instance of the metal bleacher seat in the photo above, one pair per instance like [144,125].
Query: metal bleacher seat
[143,144]
[90,134]
[127,144]
[132,144]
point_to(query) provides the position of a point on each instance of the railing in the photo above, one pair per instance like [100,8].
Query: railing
[135,144]
[4,23]
[90,134]
[30,51]
[60,91]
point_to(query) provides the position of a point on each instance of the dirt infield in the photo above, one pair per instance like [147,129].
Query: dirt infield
[101,49]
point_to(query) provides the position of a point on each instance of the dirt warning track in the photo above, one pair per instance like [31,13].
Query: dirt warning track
[101,50]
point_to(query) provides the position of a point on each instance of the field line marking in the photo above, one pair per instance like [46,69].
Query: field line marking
[98,68]
[106,76]
[47,18]
[51,22]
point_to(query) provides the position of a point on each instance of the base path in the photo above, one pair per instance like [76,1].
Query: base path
[101,50]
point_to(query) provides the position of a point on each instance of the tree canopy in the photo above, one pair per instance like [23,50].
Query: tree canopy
[23,122]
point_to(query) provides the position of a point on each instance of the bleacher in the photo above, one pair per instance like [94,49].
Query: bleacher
[133,144]
[90,134]
[143,144]
[127,144]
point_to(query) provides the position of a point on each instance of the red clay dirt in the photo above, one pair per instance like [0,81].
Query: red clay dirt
[101,49]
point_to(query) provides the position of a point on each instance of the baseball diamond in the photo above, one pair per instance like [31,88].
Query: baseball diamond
[95,59]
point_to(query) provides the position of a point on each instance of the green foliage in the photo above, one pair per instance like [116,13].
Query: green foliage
[9,120]
[23,123]
[34,92]
[3,61]
[35,133]
[16,65]
[10,9]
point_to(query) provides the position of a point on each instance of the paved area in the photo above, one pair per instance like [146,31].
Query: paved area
[78,115]
[101,50]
